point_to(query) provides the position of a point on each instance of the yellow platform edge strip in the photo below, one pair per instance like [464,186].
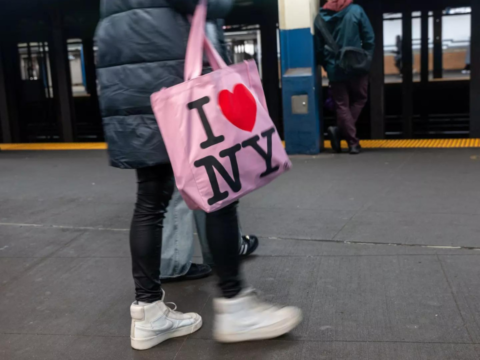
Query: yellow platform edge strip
[53,146]
[367,144]
[415,144]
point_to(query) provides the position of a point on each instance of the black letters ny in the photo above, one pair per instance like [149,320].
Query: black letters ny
[211,163]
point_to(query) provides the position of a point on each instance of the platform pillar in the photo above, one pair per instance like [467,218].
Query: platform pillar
[301,93]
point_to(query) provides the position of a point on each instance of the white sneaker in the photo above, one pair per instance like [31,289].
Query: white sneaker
[154,323]
[245,318]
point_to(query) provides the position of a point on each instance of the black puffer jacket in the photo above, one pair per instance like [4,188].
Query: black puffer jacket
[141,49]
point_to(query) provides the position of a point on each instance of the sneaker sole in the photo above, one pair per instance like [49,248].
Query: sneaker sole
[263,334]
[145,344]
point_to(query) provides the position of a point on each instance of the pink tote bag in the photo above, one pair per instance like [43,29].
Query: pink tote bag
[220,139]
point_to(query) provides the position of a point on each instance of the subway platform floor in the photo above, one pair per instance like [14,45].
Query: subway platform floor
[381,251]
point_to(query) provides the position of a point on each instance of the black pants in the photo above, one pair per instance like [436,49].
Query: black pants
[155,189]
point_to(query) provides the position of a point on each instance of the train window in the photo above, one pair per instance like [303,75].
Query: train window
[77,67]
[244,43]
[416,44]
[455,30]
[448,45]
[35,68]
[392,47]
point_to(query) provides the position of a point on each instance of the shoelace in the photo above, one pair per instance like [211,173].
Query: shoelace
[174,306]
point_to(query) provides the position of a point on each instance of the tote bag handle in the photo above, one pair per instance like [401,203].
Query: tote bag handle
[197,42]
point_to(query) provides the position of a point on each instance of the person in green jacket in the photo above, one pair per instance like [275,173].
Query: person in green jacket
[350,27]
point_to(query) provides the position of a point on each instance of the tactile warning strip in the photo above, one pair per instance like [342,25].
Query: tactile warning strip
[54,146]
[367,144]
[417,143]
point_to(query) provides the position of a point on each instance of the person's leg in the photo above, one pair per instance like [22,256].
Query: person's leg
[178,239]
[178,244]
[358,95]
[222,236]
[345,121]
[155,189]
[358,87]
[201,223]
[265,321]
[247,244]
[152,320]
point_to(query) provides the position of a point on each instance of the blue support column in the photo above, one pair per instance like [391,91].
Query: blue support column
[301,94]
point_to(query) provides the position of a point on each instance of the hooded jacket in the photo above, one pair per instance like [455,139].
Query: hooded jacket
[349,27]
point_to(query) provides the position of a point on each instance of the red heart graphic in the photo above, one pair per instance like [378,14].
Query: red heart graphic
[240,108]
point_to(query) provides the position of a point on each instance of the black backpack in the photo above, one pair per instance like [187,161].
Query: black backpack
[351,60]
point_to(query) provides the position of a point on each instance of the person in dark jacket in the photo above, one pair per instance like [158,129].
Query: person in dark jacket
[141,49]
[350,27]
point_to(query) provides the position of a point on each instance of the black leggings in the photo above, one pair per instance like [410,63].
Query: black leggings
[155,189]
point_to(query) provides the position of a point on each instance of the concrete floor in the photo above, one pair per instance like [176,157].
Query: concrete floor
[379,250]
